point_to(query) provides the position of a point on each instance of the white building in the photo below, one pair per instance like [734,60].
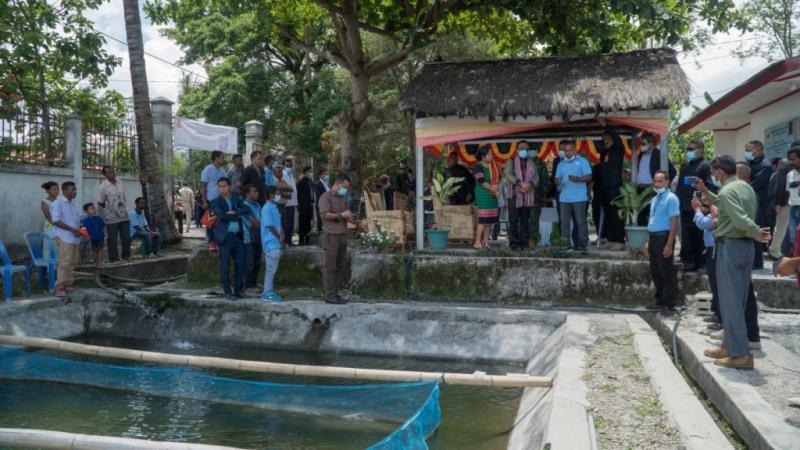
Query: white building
[766,108]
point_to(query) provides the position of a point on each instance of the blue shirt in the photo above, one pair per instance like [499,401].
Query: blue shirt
[270,217]
[572,192]
[269,178]
[663,207]
[211,174]
[137,219]
[705,223]
[255,211]
[95,226]
[233,225]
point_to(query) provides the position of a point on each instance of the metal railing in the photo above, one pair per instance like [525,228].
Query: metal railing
[33,138]
[111,143]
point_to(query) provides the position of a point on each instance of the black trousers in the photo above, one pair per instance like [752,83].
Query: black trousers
[614,226]
[252,261]
[691,241]
[518,225]
[662,270]
[232,247]
[287,222]
[305,213]
[123,229]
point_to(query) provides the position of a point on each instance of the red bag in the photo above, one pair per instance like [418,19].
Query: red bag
[209,219]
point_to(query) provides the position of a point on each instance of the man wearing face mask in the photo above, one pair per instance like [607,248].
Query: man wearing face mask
[521,180]
[760,173]
[572,174]
[735,233]
[291,202]
[334,209]
[649,164]
[664,219]
[691,236]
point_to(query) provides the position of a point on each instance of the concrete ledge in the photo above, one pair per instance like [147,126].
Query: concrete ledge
[755,420]
[698,430]
[31,438]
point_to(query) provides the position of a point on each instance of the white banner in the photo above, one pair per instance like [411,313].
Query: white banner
[203,136]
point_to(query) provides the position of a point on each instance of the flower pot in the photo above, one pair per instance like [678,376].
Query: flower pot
[637,236]
[437,239]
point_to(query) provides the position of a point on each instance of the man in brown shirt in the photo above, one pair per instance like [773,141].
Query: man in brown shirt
[335,213]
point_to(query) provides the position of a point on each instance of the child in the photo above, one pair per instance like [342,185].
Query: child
[271,242]
[704,219]
[95,227]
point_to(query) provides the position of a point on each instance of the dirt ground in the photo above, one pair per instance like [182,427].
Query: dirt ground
[626,408]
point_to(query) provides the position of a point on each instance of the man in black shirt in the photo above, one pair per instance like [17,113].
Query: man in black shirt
[402,181]
[610,174]
[760,173]
[306,197]
[466,190]
[253,175]
[691,236]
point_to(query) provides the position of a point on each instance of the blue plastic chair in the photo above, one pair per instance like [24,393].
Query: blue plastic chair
[37,240]
[9,270]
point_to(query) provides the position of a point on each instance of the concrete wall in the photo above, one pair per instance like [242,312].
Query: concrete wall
[733,142]
[21,195]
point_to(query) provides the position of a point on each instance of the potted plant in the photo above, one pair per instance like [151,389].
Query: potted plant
[442,190]
[629,204]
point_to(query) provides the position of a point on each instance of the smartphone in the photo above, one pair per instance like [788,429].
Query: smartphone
[688,181]
[698,195]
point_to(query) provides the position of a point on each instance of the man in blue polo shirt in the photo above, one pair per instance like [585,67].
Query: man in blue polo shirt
[665,216]
[572,174]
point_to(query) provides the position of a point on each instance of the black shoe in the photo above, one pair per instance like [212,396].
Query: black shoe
[239,295]
[336,300]
[714,326]
[230,297]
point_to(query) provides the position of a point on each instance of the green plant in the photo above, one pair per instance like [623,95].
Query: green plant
[444,188]
[380,239]
[630,203]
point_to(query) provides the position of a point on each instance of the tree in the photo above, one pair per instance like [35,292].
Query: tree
[778,22]
[151,174]
[678,143]
[47,49]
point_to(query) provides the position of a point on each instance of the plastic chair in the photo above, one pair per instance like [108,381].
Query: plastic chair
[9,270]
[36,241]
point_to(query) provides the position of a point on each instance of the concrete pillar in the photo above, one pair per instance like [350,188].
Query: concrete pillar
[419,172]
[74,155]
[253,133]
[162,129]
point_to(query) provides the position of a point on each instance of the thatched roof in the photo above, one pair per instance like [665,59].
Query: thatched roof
[551,86]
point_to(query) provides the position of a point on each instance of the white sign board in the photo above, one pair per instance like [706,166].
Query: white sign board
[203,136]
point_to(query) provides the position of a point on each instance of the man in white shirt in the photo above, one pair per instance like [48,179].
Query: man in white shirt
[186,195]
[291,202]
[66,215]
[793,187]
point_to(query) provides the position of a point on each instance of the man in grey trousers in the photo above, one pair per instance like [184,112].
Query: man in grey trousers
[735,232]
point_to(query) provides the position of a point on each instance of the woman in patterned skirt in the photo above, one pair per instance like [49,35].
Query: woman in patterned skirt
[487,188]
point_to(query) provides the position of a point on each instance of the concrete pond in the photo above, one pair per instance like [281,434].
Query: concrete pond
[578,321]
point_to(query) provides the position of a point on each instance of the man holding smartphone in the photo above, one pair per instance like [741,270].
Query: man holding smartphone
[691,236]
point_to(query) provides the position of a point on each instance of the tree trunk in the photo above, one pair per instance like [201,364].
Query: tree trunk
[152,175]
[350,122]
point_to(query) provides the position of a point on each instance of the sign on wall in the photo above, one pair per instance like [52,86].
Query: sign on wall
[205,136]
[778,138]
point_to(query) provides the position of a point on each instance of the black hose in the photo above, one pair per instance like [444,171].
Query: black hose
[780,311]
[134,280]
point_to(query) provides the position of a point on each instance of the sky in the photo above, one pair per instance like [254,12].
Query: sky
[712,69]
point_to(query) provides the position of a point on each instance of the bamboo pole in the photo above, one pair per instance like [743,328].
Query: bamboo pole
[32,438]
[510,380]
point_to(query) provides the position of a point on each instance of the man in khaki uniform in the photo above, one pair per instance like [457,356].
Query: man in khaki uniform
[335,213]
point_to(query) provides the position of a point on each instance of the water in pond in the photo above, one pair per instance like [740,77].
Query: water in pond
[472,417]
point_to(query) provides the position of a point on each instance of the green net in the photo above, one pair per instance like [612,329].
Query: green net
[413,406]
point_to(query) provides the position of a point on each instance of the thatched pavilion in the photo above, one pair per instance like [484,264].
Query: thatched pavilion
[541,99]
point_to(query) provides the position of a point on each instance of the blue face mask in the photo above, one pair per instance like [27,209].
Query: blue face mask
[690,156]
[562,154]
[716,182]
[749,156]
[276,198]
[342,191]
[288,170]
[523,154]
[660,190]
